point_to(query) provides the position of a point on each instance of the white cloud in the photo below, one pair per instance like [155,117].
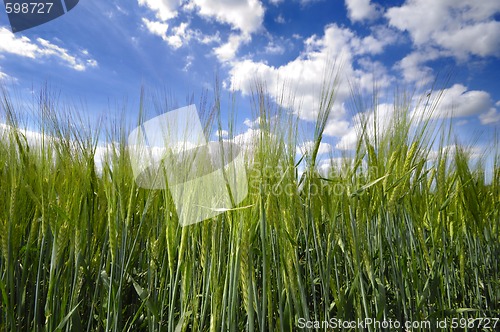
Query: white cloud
[373,123]
[222,133]
[463,28]
[481,39]
[156,27]
[49,49]
[164,9]
[180,35]
[339,164]
[227,51]
[244,15]
[34,139]
[359,10]
[207,39]
[23,46]
[256,123]
[91,63]
[413,66]
[252,124]
[348,141]
[457,101]
[177,37]
[280,19]
[474,152]
[307,147]
[248,137]
[490,117]
[37,140]
[372,71]
[273,48]
[303,75]
[247,140]
[336,127]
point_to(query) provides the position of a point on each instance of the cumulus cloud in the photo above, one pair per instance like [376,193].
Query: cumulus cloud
[222,133]
[25,47]
[336,127]
[228,50]
[21,46]
[280,19]
[490,117]
[179,35]
[474,151]
[303,75]
[252,123]
[156,27]
[32,137]
[37,140]
[164,9]
[338,164]
[481,39]
[307,147]
[274,48]
[372,122]
[413,66]
[244,15]
[462,28]
[247,140]
[457,101]
[360,10]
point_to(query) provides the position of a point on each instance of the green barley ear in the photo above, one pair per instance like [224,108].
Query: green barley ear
[245,266]
[391,169]
[409,158]
[112,233]
[61,238]
[4,239]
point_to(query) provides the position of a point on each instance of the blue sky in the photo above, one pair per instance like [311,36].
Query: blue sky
[103,52]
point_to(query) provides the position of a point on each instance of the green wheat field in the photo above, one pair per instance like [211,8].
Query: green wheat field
[406,229]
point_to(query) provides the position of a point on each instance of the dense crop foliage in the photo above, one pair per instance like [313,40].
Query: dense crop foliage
[397,232]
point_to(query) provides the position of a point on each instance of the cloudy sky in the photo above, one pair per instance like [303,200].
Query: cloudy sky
[103,52]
